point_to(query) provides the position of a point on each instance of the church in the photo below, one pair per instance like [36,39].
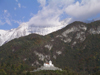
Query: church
[48,64]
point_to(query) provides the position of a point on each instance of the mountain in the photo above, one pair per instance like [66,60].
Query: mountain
[75,47]
[23,30]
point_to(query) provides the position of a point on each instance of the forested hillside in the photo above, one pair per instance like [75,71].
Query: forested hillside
[75,49]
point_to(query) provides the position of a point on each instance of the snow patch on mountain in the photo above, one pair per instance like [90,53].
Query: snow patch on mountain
[2,32]
[23,30]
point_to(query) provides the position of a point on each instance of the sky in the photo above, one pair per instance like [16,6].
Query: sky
[46,12]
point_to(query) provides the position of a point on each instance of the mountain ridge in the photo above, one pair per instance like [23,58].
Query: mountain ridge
[77,46]
[23,30]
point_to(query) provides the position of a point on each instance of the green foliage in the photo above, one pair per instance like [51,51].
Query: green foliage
[17,56]
[20,69]
[64,72]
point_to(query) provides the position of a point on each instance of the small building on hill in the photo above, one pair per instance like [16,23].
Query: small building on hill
[47,66]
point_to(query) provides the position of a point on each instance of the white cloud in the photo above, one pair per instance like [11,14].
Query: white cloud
[31,14]
[50,14]
[84,10]
[5,11]
[16,0]
[15,8]
[8,21]
[23,17]
[19,5]
[2,23]
[42,2]
[52,10]
[48,17]
[5,18]
[16,21]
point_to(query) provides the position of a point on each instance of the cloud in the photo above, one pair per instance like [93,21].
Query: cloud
[16,21]
[16,0]
[23,17]
[42,2]
[5,11]
[31,14]
[19,5]
[6,14]
[50,13]
[15,8]
[83,10]
[2,23]
[8,21]
[5,18]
